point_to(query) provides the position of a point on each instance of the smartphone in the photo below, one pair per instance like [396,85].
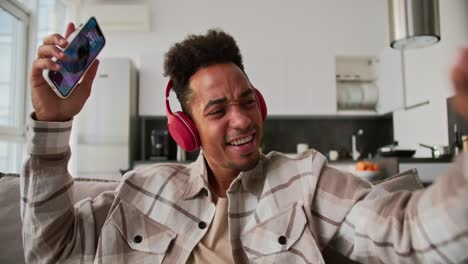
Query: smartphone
[84,44]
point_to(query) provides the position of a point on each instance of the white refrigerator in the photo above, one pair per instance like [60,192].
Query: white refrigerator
[104,140]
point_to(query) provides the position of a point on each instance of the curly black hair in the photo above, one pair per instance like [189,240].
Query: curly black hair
[197,51]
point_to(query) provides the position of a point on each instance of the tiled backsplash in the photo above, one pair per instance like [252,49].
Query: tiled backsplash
[147,124]
[327,133]
[284,133]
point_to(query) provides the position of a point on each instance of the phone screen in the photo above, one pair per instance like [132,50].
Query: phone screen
[79,55]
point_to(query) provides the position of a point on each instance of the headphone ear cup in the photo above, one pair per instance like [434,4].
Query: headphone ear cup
[261,104]
[183,131]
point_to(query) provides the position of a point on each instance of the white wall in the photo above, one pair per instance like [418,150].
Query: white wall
[277,38]
[427,78]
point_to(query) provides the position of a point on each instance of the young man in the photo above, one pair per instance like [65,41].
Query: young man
[233,204]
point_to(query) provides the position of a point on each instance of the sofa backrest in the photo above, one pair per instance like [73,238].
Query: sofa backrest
[11,250]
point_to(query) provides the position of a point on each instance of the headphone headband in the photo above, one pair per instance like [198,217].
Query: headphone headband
[168,90]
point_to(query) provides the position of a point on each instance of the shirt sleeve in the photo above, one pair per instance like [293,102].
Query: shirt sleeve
[55,229]
[401,225]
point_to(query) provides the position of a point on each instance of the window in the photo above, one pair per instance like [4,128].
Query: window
[50,19]
[13,50]
[14,21]
[14,65]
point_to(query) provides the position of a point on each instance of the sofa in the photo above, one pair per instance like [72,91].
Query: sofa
[11,250]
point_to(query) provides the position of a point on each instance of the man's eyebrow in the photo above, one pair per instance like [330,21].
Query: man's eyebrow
[214,102]
[244,94]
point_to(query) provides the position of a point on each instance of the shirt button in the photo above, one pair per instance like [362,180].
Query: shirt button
[282,240]
[202,225]
[137,239]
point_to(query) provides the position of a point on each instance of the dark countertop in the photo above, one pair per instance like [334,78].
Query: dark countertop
[139,162]
[425,160]
[342,161]
[400,160]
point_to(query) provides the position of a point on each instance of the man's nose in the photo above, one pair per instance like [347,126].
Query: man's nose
[239,118]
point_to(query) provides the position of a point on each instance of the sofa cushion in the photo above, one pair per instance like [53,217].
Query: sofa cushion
[10,219]
[10,222]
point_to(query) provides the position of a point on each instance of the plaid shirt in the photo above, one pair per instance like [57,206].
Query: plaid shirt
[285,210]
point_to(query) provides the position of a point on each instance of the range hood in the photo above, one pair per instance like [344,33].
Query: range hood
[413,23]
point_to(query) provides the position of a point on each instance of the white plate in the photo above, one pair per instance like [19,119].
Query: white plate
[367,175]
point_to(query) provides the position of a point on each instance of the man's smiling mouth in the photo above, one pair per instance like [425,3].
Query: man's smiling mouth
[241,141]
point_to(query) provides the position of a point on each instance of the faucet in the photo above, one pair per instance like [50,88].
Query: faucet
[355,153]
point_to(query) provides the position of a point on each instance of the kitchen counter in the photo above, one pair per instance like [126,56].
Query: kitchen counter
[428,168]
[425,160]
[137,164]
[342,161]
[142,163]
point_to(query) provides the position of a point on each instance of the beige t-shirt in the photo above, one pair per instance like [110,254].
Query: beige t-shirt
[215,246]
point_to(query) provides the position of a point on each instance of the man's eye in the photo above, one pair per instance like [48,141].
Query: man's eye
[250,102]
[216,112]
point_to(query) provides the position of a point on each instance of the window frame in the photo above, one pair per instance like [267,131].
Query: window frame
[16,134]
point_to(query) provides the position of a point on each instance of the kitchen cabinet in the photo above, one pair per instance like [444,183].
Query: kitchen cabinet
[293,84]
[311,85]
[358,74]
[296,84]
[268,75]
[355,83]
[389,71]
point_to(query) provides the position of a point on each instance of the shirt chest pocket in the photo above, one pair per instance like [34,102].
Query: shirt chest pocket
[282,238]
[138,238]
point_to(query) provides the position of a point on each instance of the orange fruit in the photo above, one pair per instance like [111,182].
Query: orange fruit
[360,166]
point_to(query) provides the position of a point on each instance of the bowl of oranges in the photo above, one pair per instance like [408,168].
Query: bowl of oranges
[367,170]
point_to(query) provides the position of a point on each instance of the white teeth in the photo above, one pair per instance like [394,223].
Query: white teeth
[241,141]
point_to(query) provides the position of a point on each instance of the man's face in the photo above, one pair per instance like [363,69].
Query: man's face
[225,112]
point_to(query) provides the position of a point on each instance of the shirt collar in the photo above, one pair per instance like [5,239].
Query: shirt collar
[252,180]
[198,178]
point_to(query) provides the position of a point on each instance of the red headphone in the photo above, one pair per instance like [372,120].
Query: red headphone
[182,128]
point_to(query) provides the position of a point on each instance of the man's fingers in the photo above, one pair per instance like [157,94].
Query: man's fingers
[460,74]
[89,77]
[85,87]
[55,39]
[460,105]
[49,51]
[463,60]
[59,40]
[42,64]
[70,29]
[460,82]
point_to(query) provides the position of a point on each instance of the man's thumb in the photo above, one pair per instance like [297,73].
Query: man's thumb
[90,74]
